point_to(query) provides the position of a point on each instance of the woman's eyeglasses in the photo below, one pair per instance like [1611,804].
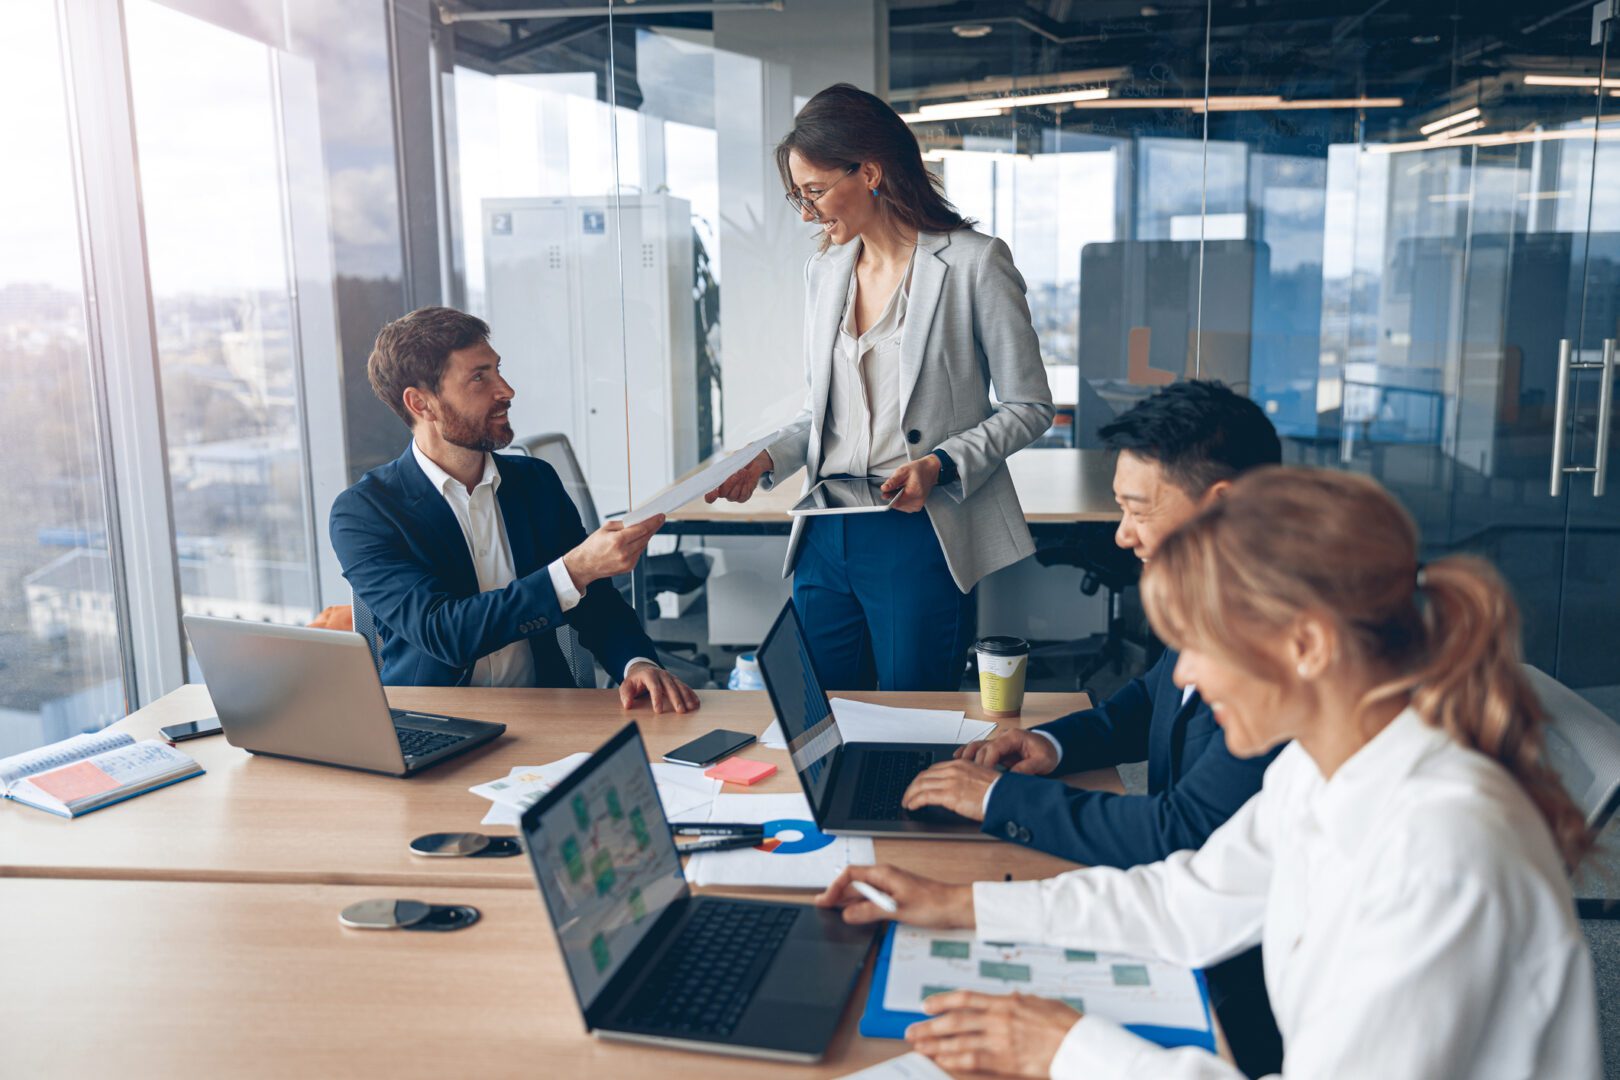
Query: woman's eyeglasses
[806,203]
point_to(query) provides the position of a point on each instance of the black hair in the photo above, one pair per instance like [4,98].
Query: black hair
[843,127]
[1199,432]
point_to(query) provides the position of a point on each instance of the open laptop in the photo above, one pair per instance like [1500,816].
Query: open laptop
[314,695]
[854,788]
[650,962]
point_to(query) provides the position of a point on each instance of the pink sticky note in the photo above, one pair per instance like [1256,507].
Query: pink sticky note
[741,771]
[80,780]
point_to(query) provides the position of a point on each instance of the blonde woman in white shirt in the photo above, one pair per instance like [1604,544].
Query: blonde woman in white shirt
[1405,865]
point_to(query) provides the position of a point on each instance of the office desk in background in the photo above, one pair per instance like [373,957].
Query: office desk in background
[1055,487]
[266,820]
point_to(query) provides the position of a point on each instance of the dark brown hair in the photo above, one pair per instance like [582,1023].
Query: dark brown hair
[414,349]
[1285,542]
[843,127]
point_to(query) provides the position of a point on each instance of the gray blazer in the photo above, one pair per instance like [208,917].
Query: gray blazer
[967,328]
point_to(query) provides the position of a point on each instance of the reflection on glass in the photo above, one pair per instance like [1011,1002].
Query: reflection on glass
[59,632]
[216,242]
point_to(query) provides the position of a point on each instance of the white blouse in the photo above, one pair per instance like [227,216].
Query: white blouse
[862,436]
[1415,914]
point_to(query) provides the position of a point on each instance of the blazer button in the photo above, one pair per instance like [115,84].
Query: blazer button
[540,624]
[914,436]
[1012,830]
[1023,836]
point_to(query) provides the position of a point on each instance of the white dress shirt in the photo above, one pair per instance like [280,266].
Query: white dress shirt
[479,514]
[1415,914]
[862,435]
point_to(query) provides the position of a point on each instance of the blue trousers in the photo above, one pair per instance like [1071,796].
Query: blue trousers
[878,603]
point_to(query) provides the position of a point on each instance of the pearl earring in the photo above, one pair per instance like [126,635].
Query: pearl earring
[1301,669]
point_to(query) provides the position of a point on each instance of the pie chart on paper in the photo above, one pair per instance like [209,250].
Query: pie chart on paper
[789,836]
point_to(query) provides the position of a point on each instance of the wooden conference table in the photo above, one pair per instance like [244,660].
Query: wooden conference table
[194,931]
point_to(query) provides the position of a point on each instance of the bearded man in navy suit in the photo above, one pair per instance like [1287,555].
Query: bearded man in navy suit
[470,560]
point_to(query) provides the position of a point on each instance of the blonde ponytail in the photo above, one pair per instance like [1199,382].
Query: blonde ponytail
[1287,541]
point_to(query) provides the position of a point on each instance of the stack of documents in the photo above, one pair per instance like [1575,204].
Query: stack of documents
[685,792]
[862,721]
[793,855]
[700,483]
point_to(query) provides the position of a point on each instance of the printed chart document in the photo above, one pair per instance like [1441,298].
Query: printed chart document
[793,855]
[85,773]
[862,721]
[1124,989]
[904,1067]
[685,792]
[699,483]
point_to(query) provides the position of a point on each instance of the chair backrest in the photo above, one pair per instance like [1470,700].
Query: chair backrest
[1583,747]
[366,627]
[555,450]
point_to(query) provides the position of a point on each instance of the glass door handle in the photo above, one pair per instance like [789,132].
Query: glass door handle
[1605,415]
[1566,364]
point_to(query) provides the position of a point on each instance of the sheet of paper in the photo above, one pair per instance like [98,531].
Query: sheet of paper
[699,483]
[904,1067]
[1125,989]
[794,855]
[861,721]
[684,791]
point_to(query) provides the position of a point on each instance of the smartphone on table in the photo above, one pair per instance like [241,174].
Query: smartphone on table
[194,730]
[710,748]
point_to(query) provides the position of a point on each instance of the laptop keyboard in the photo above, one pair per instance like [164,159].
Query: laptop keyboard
[705,980]
[417,743]
[884,777]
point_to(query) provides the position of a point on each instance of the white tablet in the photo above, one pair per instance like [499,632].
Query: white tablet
[860,495]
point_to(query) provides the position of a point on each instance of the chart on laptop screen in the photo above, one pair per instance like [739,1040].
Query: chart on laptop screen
[607,866]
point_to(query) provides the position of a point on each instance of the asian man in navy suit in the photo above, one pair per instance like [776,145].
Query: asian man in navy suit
[470,560]
[1177,452]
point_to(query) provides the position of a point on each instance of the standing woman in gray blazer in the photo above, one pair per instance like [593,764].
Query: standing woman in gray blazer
[911,318]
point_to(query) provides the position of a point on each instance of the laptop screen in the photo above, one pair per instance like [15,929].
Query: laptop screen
[801,705]
[605,861]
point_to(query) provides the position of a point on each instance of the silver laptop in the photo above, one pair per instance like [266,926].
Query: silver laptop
[314,695]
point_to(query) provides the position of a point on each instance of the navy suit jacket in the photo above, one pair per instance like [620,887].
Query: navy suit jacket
[405,556]
[1194,781]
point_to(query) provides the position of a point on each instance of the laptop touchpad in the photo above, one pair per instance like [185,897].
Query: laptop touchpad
[810,974]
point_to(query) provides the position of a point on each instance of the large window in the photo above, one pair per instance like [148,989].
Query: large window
[60,668]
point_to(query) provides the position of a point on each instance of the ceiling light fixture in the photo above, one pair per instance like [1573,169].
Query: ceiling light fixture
[1570,80]
[1462,129]
[971,31]
[1101,99]
[1496,139]
[1447,121]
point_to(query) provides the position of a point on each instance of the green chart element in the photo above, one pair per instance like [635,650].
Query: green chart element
[615,810]
[576,865]
[1079,956]
[991,969]
[930,991]
[582,812]
[602,871]
[1077,1004]
[638,825]
[599,953]
[950,950]
[638,906]
[1130,975]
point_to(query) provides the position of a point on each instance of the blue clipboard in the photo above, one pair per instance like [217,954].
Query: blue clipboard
[879,1023]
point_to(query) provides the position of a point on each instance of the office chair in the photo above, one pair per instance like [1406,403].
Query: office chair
[1583,748]
[1090,547]
[580,663]
[673,571]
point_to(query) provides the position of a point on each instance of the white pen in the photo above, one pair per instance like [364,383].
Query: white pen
[877,896]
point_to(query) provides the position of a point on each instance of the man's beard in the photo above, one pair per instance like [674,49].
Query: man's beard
[485,436]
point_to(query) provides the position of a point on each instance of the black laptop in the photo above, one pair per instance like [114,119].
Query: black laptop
[650,962]
[854,788]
